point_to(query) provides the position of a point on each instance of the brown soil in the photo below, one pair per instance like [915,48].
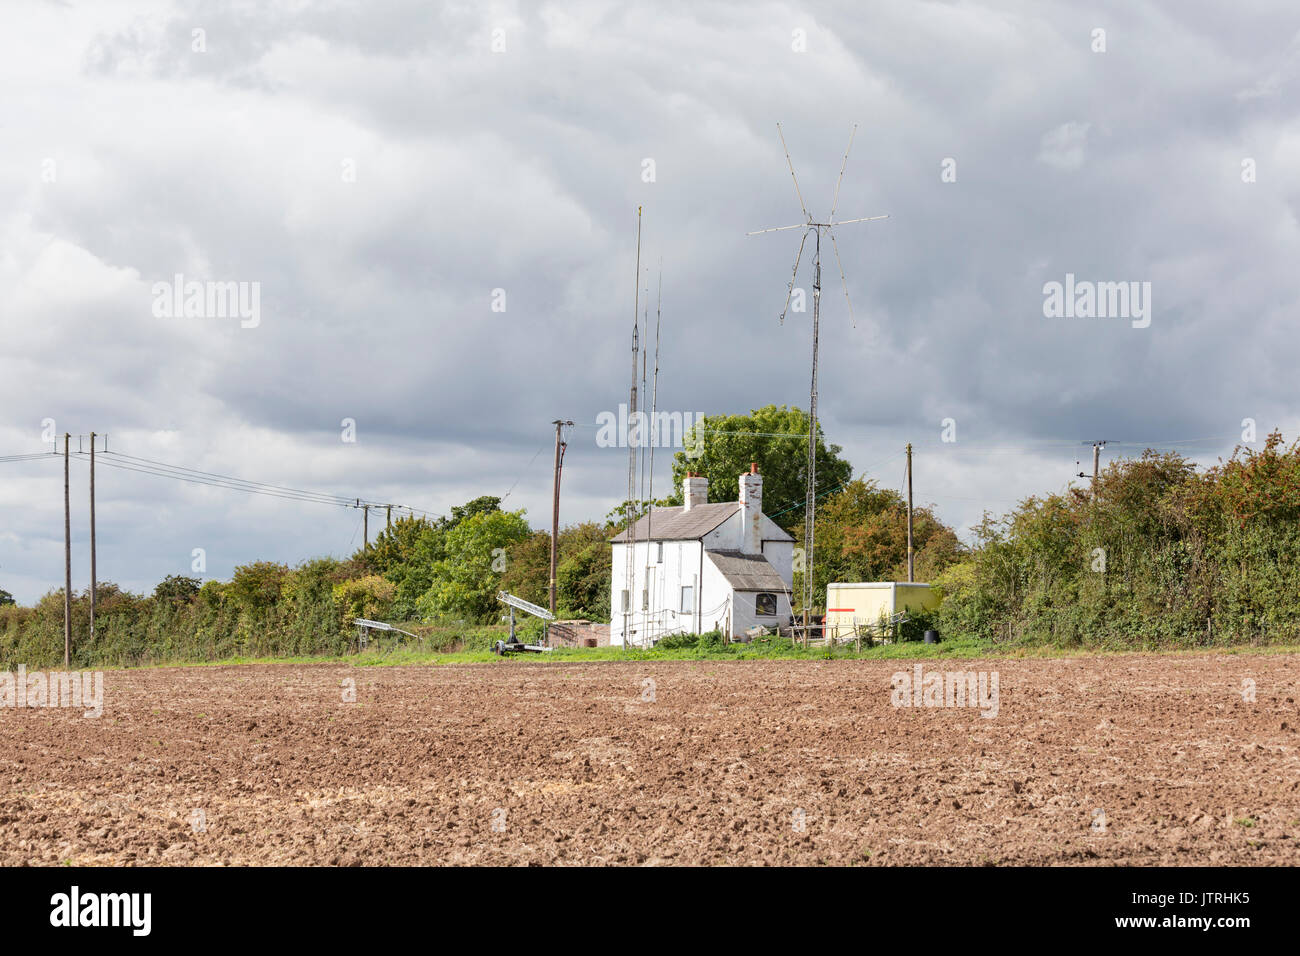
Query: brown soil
[518,762]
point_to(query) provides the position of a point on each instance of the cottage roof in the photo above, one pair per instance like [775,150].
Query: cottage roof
[746,572]
[678,524]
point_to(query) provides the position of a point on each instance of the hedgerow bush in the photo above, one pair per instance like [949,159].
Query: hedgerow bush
[1162,556]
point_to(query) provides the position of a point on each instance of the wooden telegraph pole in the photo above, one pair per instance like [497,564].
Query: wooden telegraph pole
[1097,446]
[93,578]
[911,556]
[67,558]
[560,446]
[1096,466]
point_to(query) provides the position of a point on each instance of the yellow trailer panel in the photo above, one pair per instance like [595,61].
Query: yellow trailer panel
[849,606]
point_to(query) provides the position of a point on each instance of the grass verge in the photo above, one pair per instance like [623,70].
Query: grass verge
[771,650]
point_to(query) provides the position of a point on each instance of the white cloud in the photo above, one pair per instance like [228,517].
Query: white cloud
[1064,147]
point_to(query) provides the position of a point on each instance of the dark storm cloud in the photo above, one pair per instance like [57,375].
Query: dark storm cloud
[522,171]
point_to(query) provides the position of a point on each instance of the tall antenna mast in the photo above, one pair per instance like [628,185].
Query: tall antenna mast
[644,434]
[809,226]
[630,570]
[654,440]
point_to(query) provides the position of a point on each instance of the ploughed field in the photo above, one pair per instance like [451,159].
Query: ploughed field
[1091,760]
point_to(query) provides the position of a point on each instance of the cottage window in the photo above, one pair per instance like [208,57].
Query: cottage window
[765,605]
[659,559]
[688,599]
[627,601]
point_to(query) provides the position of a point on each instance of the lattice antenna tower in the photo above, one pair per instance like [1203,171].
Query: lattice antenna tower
[630,565]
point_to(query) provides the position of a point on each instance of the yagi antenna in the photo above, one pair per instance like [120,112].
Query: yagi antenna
[809,226]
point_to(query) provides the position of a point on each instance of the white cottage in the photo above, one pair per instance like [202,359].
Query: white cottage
[701,567]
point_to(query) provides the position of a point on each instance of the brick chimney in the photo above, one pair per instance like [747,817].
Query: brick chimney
[695,490]
[751,511]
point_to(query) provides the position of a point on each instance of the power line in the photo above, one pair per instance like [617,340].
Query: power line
[522,473]
[966,442]
[159,473]
[213,479]
[830,491]
[51,455]
[180,469]
[159,469]
[711,431]
[194,479]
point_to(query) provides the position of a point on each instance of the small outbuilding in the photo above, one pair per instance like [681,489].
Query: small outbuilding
[874,604]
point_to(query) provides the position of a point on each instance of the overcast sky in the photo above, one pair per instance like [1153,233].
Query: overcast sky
[380,168]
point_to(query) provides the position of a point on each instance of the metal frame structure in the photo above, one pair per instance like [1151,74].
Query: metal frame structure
[364,626]
[528,607]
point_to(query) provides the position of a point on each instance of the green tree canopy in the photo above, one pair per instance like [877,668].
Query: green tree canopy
[476,554]
[731,442]
[395,546]
[584,560]
[409,552]
[483,504]
[256,586]
[176,588]
[582,578]
[862,536]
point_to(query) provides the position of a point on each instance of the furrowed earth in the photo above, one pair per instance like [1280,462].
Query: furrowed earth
[1094,760]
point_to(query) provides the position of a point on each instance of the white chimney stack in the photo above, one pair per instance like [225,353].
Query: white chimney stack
[695,490]
[751,511]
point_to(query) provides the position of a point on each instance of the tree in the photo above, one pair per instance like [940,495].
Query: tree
[256,586]
[583,564]
[395,545]
[399,543]
[616,519]
[368,597]
[409,553]
[477,553]
[862,536]
[6,597]
[731,442]
[483,504]
[586,562]
[527,571]
[177,589]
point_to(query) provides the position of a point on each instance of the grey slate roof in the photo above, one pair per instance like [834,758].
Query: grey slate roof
[746,572]
[678,524]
